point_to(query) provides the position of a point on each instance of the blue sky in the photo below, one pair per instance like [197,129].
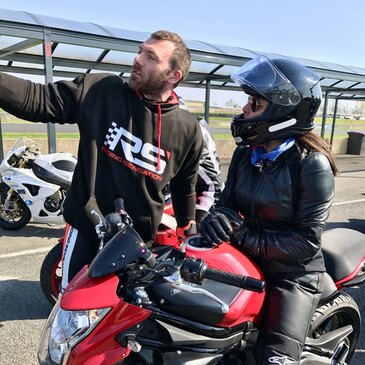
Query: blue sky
[321,30]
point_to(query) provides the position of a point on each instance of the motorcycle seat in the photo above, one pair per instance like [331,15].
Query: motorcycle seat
[50,177]
[343,251]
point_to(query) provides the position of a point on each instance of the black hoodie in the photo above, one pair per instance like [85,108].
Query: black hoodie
[128,147]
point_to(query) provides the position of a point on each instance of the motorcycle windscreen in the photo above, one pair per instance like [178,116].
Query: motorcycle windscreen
[124,248]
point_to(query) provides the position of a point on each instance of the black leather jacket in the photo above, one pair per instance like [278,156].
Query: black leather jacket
[285,204]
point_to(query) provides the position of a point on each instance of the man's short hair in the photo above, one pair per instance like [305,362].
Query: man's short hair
[181,58]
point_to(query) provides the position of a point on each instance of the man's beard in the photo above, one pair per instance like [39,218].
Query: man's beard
[151,85]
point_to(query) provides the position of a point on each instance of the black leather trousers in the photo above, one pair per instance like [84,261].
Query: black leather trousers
[291,301]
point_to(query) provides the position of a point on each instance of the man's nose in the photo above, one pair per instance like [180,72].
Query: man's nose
[138,59]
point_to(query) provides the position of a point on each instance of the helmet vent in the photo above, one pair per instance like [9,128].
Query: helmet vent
[282,125]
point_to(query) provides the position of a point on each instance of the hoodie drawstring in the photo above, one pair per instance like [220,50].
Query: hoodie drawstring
[159,123]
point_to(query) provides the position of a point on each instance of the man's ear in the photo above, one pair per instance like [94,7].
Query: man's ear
[175,76]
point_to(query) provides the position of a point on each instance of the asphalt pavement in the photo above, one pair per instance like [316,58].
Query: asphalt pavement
[24,310]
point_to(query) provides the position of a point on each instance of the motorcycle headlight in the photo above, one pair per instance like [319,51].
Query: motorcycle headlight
[64,330]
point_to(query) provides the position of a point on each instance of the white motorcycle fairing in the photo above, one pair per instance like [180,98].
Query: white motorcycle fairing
[34,181]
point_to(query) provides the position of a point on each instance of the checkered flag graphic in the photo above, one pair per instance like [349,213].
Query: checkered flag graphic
[113,136]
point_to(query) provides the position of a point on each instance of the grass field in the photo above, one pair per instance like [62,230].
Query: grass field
[219,118]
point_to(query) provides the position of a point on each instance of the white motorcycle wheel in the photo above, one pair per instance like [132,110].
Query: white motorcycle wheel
[18,216]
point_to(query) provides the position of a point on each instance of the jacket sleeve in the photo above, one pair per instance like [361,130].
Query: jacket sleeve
[56,102]
[316,191]
[210,183]
[183,183]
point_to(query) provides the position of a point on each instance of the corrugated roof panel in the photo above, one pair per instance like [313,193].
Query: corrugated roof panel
[202,67]
[127,34]
[72,25]
[28,65]
[116,57]
[328,82]
[17,16]
[6,41]
[36,50]
[77,52]
[208,57]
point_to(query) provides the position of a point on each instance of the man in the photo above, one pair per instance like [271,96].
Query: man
[134,139]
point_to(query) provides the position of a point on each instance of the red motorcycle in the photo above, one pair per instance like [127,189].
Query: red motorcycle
[191,304]
[50,277]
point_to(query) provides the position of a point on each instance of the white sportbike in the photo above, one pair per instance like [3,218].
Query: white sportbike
[32,185]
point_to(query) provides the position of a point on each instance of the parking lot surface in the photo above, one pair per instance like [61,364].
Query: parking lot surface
[23,309]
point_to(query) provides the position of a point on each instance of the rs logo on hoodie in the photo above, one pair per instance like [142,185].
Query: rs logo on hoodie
[144,155]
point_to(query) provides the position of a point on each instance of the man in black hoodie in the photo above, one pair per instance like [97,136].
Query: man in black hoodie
[134,139]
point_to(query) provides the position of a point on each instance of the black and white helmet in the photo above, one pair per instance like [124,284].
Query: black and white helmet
[294,96]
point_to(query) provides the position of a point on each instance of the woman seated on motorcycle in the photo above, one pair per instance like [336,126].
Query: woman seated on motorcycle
[281,181]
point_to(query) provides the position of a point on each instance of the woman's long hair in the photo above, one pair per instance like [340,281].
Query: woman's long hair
[316,143]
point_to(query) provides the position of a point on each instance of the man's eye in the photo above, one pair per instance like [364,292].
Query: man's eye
[152,56]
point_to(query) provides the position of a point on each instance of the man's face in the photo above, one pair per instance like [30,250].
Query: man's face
[151,68]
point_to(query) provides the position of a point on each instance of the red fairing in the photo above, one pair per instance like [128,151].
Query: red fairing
[248,304]
[167,236]
[84,292]
[358,269]
[100,348]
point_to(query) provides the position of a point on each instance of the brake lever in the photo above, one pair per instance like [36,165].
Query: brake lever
[175,280]
[99,229]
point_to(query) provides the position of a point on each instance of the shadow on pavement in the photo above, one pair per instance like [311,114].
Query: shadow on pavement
[356,224]
[33,230]
[14,305]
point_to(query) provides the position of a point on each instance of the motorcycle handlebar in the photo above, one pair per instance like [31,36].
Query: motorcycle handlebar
[119,205]
[195,270]
[244,282]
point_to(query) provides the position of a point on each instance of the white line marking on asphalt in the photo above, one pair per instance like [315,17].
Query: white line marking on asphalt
[349,202]
[27,252]
[4,278]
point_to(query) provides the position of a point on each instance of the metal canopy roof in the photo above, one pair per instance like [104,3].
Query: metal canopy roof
[53,47]
[77,47]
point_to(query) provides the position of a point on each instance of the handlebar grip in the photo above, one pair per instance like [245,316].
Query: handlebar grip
[119,205]
[244,282]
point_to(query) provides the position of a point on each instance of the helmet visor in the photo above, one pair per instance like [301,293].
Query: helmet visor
[264,77]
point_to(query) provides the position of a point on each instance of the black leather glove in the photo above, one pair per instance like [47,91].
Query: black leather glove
[200,215]
[113,224]
[220,225]
[216,228]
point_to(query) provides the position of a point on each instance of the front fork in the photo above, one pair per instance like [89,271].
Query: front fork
[7,205]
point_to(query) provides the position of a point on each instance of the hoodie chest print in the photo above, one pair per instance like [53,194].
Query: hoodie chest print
[137,155]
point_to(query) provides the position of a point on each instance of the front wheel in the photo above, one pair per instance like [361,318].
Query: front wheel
[339,312]
[14,213]
[51,274]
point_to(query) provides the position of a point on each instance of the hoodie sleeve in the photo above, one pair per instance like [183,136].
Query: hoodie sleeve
[56,102]
[210,183]
[183,184]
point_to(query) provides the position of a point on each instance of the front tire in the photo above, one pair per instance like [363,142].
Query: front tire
[15,217]
[339,312]
[51,274]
